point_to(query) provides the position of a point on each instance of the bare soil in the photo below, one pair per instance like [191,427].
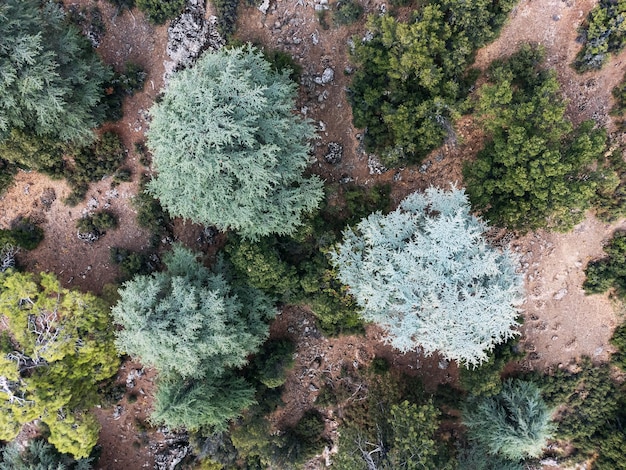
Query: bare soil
[561,322]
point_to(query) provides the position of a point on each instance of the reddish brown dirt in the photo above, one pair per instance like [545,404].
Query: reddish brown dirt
[561,322]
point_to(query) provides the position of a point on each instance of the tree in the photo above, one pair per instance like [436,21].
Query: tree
[514,424]
[39,455]
[410,77]
[188,321]
[159,11]
[534,172]
[51,81]
[60,348]
[227,148]
[196,330]
[426,275]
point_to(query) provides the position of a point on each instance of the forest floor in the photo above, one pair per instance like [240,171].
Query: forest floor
[561,322]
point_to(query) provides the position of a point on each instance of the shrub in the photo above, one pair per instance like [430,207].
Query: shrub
[535,171]
[602,33]
[130,262]
[24,233]
[347,12]
[609,272]
[94,226]
[226,16]
[150,213]
[159,11]
[273,362]
[97,161]
[619,92]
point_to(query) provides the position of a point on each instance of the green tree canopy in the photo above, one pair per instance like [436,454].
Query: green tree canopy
[196,330]
[39,455]
[514,424]
[60,346]
[534,171]
[425,274]
[410,76]
[51,81]
[228,150]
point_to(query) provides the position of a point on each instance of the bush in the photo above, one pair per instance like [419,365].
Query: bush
[273,362]
[123,4]
[411,77]
[603,33]
[226,16]
[535,171]
[347,12]
[159,11]
[130,262]
[23,233]
[609,272]
[94,226]
[150,213]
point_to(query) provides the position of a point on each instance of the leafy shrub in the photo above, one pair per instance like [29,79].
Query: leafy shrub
[485,380]
[609,272]
[23,233]
[347,12]
[593,409]
[125,83]
[226,16]
[602,33]
[123,4]
[619,92]
[159,11]
[94,226]
[273,361]
[150,213]
[97,161]
[123,175]
[130,262]
[7,173]
[514,424]
[408,96]
[282,62]
[144,154]
[535,171]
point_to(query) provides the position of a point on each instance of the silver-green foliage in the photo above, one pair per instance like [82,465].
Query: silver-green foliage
[51,81]
[229,151]
[425,274]
[187,322]
[39,455]
[514,424]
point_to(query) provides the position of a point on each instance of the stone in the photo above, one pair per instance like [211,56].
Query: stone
[328,75]
[264,6]
[560,294]
[334,153]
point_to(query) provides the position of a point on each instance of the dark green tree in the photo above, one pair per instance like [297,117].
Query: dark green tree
[51,81]
[411,76]
[534,172]
[39,455]
[229,151]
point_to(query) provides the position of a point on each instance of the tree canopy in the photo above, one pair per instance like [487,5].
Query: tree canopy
[425,273]
[411,78]
[535,171]
[229,151]
[60,346]
[514,424]
[195,329]
[51,81]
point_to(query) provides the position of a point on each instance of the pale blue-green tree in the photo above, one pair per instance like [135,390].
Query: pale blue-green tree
[196,330]
[228,149]
[427,276]
[514,424]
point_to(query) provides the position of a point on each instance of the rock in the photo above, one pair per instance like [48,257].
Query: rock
[189,35]
[424,168]
[560,294]
[374,165]
[443,364]
[321,126]
[263,7]
[313,388]
[327,76]
[334,154]
[315,38]
[322,96]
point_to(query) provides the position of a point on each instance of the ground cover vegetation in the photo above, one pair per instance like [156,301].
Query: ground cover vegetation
[536,169]
[425,274]
[412,78]
[603,33]
[245,152]
[609,273]
[57,348]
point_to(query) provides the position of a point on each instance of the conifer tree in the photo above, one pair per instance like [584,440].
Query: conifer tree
[51,81]
[228,150]
[514,424]
[425,274]
[60,348]
[196,330]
